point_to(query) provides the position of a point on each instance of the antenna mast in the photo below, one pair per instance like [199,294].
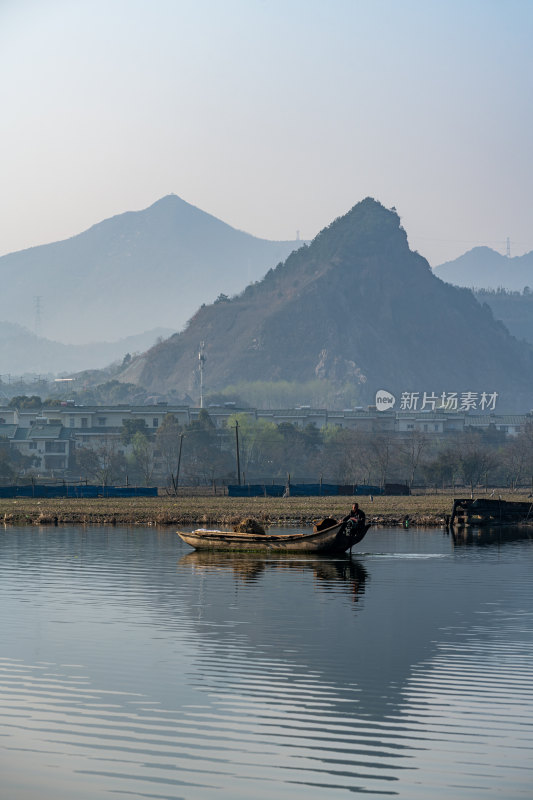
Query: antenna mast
[201,362]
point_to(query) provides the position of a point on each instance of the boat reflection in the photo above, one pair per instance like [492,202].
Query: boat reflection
[484,537]
[249,567]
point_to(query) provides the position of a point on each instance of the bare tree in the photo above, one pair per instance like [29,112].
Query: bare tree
[517,458]
[103,463]
[442,468]
[474,460]
[167,441]
[381,450]
[352,460]
[412,448]
[143,456]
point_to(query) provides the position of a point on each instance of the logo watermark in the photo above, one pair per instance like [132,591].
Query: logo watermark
[441,401]
[384,400]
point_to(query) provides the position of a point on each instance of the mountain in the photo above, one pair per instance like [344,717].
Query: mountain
[514,309]
[135,271]
[486,269]
[22,352]
[357,308]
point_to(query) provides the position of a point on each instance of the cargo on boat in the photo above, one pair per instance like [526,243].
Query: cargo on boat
[468,513]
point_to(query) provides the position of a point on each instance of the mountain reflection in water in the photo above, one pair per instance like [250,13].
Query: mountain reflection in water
[132,666]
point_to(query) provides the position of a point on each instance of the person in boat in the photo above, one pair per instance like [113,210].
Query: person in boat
[357,515]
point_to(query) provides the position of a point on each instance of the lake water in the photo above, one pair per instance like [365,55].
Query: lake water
[133,667]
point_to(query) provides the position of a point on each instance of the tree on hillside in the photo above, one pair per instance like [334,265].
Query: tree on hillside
[22,401]
[53,402]
[107,393]
[319,393]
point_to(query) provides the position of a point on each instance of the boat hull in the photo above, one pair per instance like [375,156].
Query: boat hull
[488,512]
[331,540]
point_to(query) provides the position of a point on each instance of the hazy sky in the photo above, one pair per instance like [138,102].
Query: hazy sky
[273,115]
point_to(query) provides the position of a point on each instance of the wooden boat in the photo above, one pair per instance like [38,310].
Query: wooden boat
[468,513]
[335,539]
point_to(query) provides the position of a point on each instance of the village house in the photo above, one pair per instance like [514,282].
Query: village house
[50,435]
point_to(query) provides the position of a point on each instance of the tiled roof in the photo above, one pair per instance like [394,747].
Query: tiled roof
[44,432]
[291,412]
[497,419]
[8,431]
[111,430]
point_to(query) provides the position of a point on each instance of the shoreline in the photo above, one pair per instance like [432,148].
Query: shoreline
[424,510]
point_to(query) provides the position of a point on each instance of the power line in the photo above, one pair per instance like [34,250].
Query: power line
[479,242]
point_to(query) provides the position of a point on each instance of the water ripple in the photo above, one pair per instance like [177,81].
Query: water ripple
[129,668]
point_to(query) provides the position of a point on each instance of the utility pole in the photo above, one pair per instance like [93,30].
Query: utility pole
[237,448]
[179,463]
[201,362]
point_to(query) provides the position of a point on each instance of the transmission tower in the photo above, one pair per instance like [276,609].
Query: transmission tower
[508,249]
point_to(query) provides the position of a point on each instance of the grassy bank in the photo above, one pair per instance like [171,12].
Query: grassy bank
[423,510]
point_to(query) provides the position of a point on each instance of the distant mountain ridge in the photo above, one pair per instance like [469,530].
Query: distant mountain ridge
[22,352]
[484,268]
[357,307]
[132,272]
[514,309]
